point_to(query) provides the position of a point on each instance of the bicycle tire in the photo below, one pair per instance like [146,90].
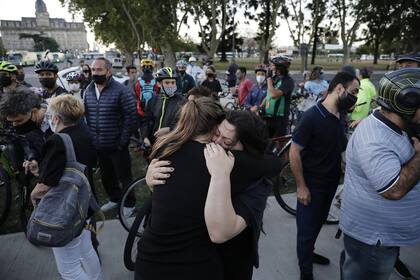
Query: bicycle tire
[5,195]
[142,194]
[133,235]
[230,106]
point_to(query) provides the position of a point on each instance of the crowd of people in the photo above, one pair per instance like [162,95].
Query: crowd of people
[209,168]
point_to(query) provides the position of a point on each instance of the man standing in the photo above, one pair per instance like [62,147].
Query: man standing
[258,91]
[8,77]
[184,81]
[132,78]
[315,160]
[110,115]
[47,74]
[380,202]
[244,85]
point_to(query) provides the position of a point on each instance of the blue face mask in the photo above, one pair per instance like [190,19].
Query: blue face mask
[169,91]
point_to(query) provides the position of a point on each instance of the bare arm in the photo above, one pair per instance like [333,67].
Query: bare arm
[408,178]
[303,193]
[274,93]
[221,220]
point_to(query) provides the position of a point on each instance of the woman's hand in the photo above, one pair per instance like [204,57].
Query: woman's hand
[219,163]
[31,166]
[38,193]
[157,172]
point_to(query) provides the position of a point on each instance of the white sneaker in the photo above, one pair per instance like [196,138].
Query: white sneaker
[108,206]
[128,211]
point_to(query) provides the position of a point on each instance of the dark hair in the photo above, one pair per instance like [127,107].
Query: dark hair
[108,64]
[19,67]
[82,60]
[283,69]
[129,67]
[348,69]
[17,102]
[343,78]
[365,72]
[199,91]
[315,73]
[242,69]
[250,130]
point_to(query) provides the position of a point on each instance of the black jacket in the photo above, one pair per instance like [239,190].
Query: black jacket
[112,118]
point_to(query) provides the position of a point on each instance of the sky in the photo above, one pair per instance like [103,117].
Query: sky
[16,9]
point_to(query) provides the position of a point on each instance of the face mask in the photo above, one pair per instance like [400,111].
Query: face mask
[148,76]
[26,127]
[20,77]
[52,126]
[182,72]
[169,91]
[346,101]
[99,79]
[47,82]
[260,79]
[210,76]
[74,87]
[5,81]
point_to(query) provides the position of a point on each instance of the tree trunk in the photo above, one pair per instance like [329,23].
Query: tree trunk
[168,52]
[263,47]
[376,50]
[128,57]
[346,51]
[314,45]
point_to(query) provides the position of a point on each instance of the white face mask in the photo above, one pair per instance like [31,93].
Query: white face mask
[260,79]
[52,126]
[169,91]
[74,87]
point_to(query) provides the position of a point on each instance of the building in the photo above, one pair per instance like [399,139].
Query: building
[69,35]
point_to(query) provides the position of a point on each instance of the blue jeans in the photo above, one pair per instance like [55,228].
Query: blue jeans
[361,261]
[309,221]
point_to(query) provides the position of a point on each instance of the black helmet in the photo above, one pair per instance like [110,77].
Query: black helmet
[411,57]
[260,68]
[281,59]
[165,73]
[46,65]
[399,91]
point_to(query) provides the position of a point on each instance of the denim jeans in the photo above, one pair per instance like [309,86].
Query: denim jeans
[360,261]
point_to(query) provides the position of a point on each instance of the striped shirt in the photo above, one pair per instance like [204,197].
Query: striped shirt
[374,156]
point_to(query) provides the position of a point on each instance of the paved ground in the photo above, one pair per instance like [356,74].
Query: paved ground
[19,260]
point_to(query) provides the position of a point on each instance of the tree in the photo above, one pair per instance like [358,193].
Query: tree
[266,13]
[345,10]
[3,50]
[318,12]
[42,43]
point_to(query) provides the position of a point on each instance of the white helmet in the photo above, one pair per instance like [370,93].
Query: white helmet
[192,59]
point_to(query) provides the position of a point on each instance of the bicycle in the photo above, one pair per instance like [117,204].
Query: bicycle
[13,148]
[284,185]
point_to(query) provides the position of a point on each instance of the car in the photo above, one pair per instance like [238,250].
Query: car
[61,81]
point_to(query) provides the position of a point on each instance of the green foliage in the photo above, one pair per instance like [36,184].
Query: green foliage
[42,43]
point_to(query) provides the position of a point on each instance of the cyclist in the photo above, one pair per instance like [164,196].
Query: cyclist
[258,91]
[8,77]
[316,85]
[315,160]
[244,85]
[279,90]
[382,186]
[212,83]
[409,60]
[47,74]
[184,81]
[75,80]
[21,76]
[194,70]
[163,108]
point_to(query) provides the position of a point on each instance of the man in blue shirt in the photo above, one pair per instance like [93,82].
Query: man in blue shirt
[315,160]
[380,202]
[258,91]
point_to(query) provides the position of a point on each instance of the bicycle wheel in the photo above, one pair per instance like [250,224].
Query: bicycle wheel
[230,106]
[5,195]
[130,248]
[140,193]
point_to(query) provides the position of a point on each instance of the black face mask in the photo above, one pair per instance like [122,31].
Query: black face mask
[99,79]
[5,81]
[47,82]
[182,72]
[26,127]
[413,130]
[345,102]
[20,77]
[210,76]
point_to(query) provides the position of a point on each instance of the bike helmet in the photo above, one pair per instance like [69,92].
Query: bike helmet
[281,59]
[181,63]
[412,57]
[260,68]
[75,76]
[399,91]
[46,66]
[146,63]
[192,59]
[7,67]
[165,73]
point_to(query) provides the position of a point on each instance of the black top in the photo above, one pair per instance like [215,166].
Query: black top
[177,232]
[58,91]
[54,154]
[213,86]
[287,86]
[321,134]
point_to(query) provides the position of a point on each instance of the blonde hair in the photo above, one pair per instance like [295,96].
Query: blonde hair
[67,107]
[197,117]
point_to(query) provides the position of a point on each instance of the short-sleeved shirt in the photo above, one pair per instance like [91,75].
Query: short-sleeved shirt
[321,135]
[364,99]
[243,90]
[375,154]
[316,88]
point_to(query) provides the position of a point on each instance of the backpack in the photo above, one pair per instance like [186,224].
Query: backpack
[145,92]
[61,214]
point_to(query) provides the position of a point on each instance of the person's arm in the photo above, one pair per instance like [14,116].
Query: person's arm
[302,191]
[221,219]
[53,161]
[128,112]
[274,93]
[219,87]
[408,177]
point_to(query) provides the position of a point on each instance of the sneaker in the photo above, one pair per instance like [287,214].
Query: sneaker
[318,259]
[128,211]
[401,270]
[108,206]
[306,276]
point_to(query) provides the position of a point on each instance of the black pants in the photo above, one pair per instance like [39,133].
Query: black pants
[116,174]
[276,126]
[309,221]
